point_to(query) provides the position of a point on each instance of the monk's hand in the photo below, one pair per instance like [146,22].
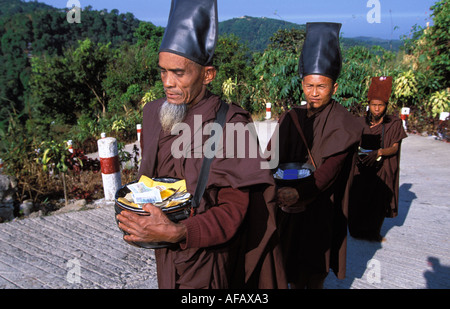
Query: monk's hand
[154,227]
[371,159]
[289,200]
[287,196]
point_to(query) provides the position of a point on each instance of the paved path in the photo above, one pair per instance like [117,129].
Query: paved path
[85,249]
[416,254]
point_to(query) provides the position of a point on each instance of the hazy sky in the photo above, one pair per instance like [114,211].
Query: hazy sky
[400,15]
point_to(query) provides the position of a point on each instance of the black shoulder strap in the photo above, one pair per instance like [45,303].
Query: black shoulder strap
[204,172]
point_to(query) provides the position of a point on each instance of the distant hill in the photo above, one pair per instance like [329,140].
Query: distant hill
[256,32]
[11,7]
[393,45]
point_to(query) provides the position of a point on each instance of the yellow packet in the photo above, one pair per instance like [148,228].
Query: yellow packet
[179,186]
[127,202]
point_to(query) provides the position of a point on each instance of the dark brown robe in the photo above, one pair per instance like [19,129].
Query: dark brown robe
[374,194]
[315,240]
[232,242]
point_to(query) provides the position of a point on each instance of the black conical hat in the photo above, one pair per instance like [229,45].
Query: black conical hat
[321,52]
[192,30]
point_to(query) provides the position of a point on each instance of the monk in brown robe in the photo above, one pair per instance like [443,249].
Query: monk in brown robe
[313,220]
[374,194]
[232,240]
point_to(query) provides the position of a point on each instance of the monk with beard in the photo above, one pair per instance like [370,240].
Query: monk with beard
[231,241]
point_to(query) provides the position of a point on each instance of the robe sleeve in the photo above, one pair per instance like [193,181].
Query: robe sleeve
[328,172]
[219,224]
[397,133]
[324,176]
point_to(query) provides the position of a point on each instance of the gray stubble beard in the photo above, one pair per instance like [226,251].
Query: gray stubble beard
[171,115]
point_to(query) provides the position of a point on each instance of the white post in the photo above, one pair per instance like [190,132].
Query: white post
[405,114]
[139,131]
[268,111]
[1,166]
[70,145]
[103,135]
[110,166]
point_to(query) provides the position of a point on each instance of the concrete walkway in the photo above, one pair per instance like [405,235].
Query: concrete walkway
[416,253]
[85,249]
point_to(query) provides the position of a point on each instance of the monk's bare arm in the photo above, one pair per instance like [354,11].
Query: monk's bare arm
[387,152]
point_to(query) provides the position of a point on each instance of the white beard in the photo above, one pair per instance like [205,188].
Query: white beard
[171,115]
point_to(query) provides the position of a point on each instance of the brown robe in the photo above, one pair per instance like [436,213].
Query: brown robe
[315,240]
[374,194]
[232,242]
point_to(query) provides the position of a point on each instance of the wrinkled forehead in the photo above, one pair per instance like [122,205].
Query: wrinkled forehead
[172,61]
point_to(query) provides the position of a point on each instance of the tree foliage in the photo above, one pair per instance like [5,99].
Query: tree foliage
[33,29]
[74,81]
[433,47]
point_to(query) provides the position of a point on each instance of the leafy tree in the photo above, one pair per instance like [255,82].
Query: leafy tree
[288,40]
[405,87]
[14,62]
[231,61]
[32,29]
[133,69]
[149,34]
[439,102]
[355,77]
[62,87]
[278,81]
[54,160]
[435,43]
[89,62]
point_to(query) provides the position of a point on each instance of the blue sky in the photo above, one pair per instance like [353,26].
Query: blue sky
[396,18]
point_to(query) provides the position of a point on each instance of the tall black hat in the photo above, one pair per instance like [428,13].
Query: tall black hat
[321,51]
[192,30]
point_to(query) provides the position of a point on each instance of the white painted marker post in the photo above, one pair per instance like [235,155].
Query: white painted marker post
[110,166]
[404,116]
[139,131]
[70,145]
[268,111]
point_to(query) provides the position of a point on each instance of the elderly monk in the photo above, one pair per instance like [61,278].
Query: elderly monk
[374,194]
[313,218]
[231,241]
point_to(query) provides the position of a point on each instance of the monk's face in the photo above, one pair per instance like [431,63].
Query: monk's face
[184,80]
[377,108]
[318,90]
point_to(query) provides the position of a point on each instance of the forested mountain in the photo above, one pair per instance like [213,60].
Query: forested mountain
[33,28]
[11,7]
[256,32]
[29,29]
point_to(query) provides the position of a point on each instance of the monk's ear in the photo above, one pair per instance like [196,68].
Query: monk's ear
[335,88]
[210,73]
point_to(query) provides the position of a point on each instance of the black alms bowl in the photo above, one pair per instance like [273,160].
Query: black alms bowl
[175,214]
[294,166]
